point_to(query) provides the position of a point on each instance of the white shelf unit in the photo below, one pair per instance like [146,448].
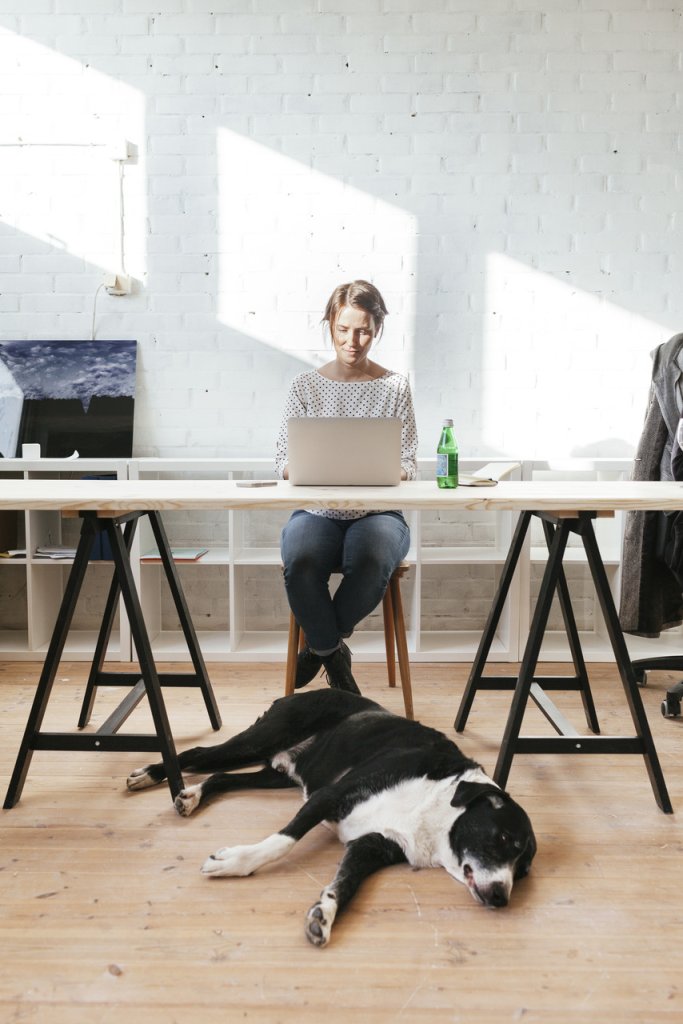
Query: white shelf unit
[31,588]
[236,594]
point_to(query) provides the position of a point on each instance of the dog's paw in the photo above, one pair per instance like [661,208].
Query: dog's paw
[141,778]
[320,918]
[244,860]
[237,861]
[188,800]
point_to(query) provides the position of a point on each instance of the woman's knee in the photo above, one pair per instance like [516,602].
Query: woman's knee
[377,547]
[301,565]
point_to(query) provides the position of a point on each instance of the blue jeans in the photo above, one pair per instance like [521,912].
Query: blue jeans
[366,550]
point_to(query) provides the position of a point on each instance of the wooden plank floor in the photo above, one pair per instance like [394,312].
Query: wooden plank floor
[106,917]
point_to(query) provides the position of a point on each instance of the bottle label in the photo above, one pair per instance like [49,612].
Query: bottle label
[446,464]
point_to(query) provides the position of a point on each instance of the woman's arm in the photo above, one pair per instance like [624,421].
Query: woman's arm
[294,406]
[408,434]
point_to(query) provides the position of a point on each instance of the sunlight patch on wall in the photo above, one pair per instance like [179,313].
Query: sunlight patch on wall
[59,176]
[288,234]
[560,366]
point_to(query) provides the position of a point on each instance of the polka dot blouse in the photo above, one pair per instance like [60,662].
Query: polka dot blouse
[311,394]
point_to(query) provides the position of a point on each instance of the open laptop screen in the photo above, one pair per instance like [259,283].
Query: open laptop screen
[344,450]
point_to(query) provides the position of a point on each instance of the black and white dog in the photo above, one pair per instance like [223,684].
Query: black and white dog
[393,790]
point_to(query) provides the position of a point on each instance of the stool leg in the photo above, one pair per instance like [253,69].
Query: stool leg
[402,647]
[389,633]
[294,638]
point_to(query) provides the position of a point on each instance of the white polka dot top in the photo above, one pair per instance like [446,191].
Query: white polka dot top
[311,394]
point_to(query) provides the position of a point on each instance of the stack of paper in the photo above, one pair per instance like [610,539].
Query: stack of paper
[55,551]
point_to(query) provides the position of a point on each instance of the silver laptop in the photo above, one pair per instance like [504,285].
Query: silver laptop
[344,450]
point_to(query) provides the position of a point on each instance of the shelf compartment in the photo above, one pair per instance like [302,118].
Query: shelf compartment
[257,556]
[14,644]
[464,555]
[169,645]
[214,556]
[575,555]
[594,644]
[80,646]
[458,645]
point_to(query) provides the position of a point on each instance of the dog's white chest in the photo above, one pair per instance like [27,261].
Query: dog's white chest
[416,814]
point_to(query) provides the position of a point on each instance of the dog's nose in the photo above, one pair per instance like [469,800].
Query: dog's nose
[497,895]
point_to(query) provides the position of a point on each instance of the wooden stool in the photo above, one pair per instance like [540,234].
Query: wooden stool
[394,640]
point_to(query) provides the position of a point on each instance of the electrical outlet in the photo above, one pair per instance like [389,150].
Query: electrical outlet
[119,150]
[118,284]
[124,285]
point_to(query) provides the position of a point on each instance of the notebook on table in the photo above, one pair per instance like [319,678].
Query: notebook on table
[344,450]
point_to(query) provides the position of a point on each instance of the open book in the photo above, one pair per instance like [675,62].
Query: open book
[465,480]
[178,555]
[488,475]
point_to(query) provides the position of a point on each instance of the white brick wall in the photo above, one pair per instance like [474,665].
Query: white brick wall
[507,173]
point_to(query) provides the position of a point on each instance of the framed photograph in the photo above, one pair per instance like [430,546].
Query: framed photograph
[68,396]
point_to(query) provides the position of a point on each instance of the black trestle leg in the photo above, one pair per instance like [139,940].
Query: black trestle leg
[557,528]
[104,634]
[488,636]
[146,660]
[145,682]
[531,653]
[52,660]
[626,671]
[185,619]
[573,638]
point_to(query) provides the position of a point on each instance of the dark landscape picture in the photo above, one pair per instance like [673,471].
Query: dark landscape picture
[68,396]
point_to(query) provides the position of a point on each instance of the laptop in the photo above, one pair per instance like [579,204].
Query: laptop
[344,450]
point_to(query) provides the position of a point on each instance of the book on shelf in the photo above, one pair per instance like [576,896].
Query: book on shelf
[13,553]
[55,551]
[178,555]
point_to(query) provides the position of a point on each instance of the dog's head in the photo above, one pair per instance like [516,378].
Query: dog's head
[492,840]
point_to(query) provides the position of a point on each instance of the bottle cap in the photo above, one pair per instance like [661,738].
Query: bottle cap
[448,423]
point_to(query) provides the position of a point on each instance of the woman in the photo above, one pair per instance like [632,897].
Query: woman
[366,546]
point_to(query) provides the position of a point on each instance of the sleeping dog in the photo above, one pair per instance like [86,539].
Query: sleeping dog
[393,790]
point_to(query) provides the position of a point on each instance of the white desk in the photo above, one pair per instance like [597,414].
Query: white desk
[115,496]
[563,506]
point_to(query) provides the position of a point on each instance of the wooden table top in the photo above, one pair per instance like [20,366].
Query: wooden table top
[119,496]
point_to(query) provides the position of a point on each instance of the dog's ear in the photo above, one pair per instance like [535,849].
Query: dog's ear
[467,793]
[524,863]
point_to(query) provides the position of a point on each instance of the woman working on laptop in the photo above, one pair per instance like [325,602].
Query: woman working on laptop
[366,546]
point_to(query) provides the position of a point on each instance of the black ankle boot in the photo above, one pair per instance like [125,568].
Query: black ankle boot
[338,669]
[308,664]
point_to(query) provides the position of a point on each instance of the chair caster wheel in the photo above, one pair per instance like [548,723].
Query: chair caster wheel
[641,676]
[671,707]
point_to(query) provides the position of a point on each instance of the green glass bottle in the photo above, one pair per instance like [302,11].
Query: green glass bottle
[447,457]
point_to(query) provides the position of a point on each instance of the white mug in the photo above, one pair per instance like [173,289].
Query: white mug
[30,451]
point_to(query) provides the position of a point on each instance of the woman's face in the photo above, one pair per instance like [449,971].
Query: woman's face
[353,334]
